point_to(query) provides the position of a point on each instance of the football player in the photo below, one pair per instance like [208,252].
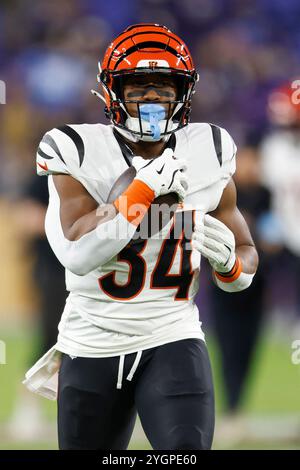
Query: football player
[130,340]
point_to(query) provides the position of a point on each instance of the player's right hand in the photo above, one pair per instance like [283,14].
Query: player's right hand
[164,174]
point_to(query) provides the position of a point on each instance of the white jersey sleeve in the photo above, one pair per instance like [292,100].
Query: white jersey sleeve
[91,250]
[62,151]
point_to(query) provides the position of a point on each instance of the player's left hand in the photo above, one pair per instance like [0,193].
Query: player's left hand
[216,242]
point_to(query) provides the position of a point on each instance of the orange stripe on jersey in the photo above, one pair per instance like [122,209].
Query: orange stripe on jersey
[44,167]
[135,201]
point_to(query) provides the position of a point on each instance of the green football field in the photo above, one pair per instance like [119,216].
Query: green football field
[271,400]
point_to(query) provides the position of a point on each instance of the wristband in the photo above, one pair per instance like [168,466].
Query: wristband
[231,275]
[135,201]
[235,280]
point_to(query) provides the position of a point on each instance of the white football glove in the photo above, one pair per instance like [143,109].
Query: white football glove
[163,174]
[216,242]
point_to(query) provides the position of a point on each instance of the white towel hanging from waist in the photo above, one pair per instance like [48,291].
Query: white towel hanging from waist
[42,378]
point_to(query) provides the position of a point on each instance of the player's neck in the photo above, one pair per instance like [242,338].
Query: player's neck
[147,149]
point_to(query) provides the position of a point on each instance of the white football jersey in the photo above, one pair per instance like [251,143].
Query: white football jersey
[145,295]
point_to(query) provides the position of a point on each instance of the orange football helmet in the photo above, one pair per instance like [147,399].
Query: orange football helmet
[146,49]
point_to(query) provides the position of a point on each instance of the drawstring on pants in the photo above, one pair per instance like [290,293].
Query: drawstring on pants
[132,371]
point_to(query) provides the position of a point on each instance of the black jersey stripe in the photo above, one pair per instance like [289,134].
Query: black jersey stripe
[70,132]
[126,151]
[48,139]
[216,133]
[43,154]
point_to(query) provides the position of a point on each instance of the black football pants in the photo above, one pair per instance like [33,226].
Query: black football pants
[171,390]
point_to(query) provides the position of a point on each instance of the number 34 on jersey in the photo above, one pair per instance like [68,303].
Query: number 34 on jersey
[155,264]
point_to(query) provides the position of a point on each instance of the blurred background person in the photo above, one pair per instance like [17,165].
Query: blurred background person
[280,166]
[237,319]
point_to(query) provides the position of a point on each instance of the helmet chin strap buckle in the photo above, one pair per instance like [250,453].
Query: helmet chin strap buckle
[153,113]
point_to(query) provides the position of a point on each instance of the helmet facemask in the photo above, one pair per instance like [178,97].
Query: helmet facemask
[136,128]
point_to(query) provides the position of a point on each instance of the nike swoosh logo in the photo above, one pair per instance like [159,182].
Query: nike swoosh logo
[160,171]
[173,176]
